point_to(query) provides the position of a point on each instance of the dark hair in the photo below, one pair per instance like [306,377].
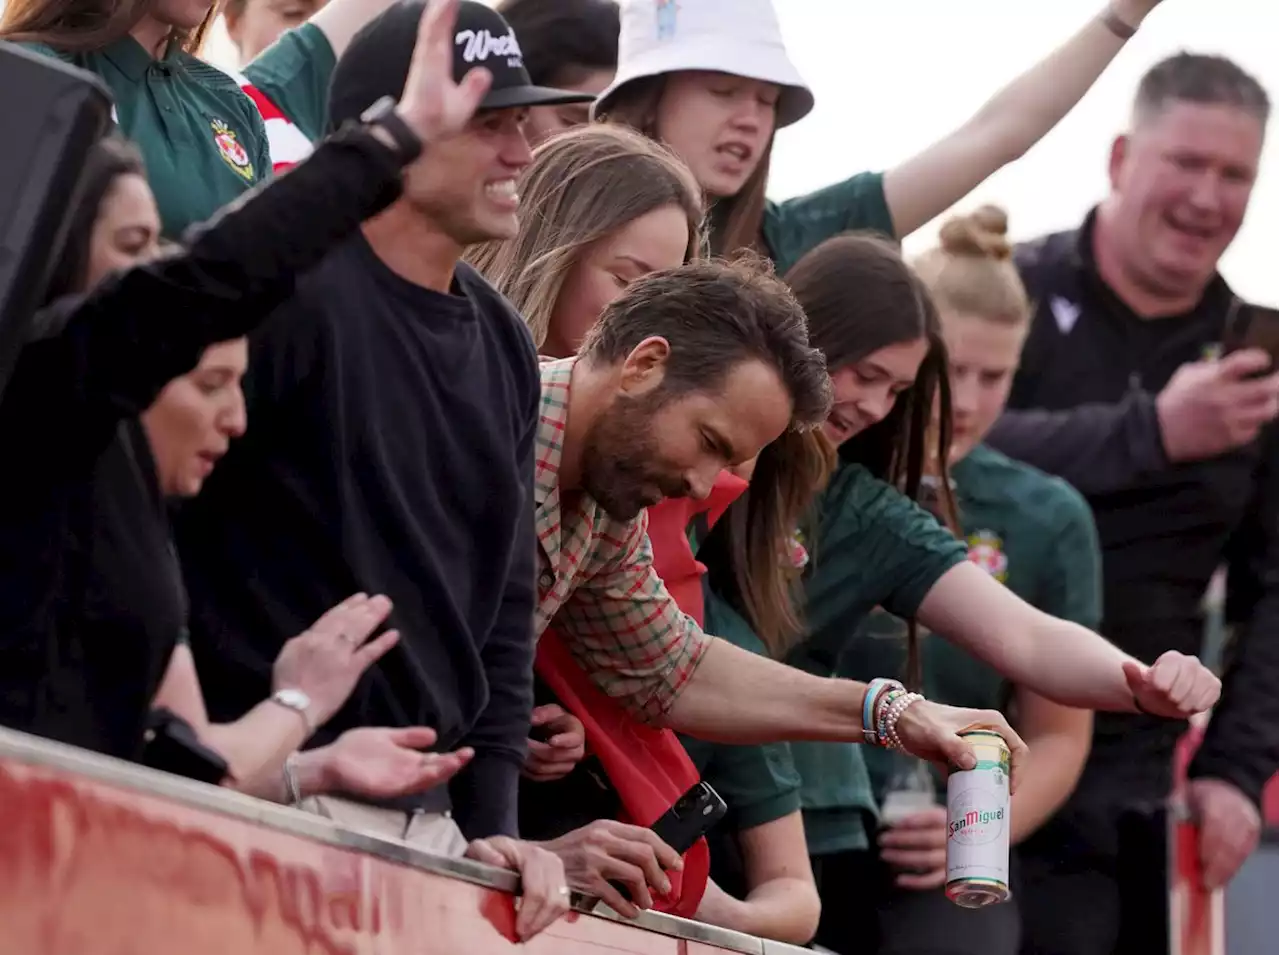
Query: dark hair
[860,296]
[76,26]
[110,158]
[716,315]
[1199,78]
[736,222]
[563,39]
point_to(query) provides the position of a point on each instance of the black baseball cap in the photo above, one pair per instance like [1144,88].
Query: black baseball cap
[376,63]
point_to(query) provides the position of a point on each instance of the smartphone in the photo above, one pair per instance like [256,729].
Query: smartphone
[690,818]
[687,821]
[1253,326]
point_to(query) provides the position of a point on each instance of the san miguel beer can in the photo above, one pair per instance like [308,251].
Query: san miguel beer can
[978,825]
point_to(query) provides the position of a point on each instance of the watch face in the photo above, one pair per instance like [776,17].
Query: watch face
[294,699]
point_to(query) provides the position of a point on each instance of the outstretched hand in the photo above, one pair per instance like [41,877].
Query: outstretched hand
[327,659]
[384,763]
[434,105]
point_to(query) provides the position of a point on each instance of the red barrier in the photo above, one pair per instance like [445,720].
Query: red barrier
[93,866]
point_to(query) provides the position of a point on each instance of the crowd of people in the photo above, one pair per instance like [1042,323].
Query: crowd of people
[437,429]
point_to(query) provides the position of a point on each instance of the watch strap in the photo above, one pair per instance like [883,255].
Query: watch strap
[383,115]
[286,699]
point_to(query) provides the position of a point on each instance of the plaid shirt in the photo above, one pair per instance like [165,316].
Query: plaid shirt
[596,582]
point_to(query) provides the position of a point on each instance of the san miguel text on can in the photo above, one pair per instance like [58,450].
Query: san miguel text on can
[978,825]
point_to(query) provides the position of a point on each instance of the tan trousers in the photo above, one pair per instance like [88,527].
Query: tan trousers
[433,832]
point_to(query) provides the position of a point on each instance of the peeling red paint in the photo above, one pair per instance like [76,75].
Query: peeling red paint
[88,868]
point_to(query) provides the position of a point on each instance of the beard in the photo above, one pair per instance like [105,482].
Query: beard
[621,467]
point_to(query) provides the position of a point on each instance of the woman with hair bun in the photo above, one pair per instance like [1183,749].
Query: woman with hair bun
[1031,532]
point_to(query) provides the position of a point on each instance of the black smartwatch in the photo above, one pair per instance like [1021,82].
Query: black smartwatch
[383,115]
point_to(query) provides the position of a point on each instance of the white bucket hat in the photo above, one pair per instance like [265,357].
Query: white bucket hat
[740,37]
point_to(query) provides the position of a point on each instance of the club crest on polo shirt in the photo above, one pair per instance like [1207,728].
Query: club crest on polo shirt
[986,549]
[232,152]
[665,12]
[478,45]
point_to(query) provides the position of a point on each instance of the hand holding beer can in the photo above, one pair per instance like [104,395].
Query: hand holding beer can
[978,825]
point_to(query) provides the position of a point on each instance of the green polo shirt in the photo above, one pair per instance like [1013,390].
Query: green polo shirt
[872,547]
[793,227]
[1032,532]
[758,783]
[294,73]
[202,139]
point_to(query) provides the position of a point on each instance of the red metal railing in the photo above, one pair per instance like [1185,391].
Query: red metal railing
[99,857]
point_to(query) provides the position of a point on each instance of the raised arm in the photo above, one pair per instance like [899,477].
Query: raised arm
[341,20]
[1009,123]
[99,358]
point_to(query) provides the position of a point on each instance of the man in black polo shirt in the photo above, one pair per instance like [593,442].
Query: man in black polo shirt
[1175,448]
[393,408]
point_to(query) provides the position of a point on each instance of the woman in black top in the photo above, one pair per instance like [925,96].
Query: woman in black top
[94,363]
[91,604]
[166,454]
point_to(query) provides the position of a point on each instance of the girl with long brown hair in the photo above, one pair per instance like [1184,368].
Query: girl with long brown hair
[871,545]
[1032,533]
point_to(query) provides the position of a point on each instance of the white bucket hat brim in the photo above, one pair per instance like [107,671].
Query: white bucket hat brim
[756,60]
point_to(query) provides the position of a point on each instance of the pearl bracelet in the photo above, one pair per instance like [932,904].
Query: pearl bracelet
[894,712]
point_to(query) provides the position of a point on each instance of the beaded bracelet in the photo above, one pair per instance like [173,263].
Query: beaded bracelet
[875,693]
[893,714]
[882,715]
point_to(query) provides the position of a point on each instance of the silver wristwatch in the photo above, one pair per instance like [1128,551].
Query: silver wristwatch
[297,701]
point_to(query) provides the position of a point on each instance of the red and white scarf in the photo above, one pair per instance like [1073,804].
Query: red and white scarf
[287,143]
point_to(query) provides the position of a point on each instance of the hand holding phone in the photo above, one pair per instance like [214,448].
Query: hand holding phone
[597,854]
[1256,327]
[1211,407]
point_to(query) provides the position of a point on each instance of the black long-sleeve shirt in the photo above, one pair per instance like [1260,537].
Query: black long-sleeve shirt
[389,450]
[90,601]
[1083,407]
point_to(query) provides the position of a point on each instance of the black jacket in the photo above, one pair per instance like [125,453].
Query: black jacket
[1083,407]
[90,601]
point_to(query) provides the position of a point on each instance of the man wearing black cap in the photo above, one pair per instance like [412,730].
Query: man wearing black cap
[394,406]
